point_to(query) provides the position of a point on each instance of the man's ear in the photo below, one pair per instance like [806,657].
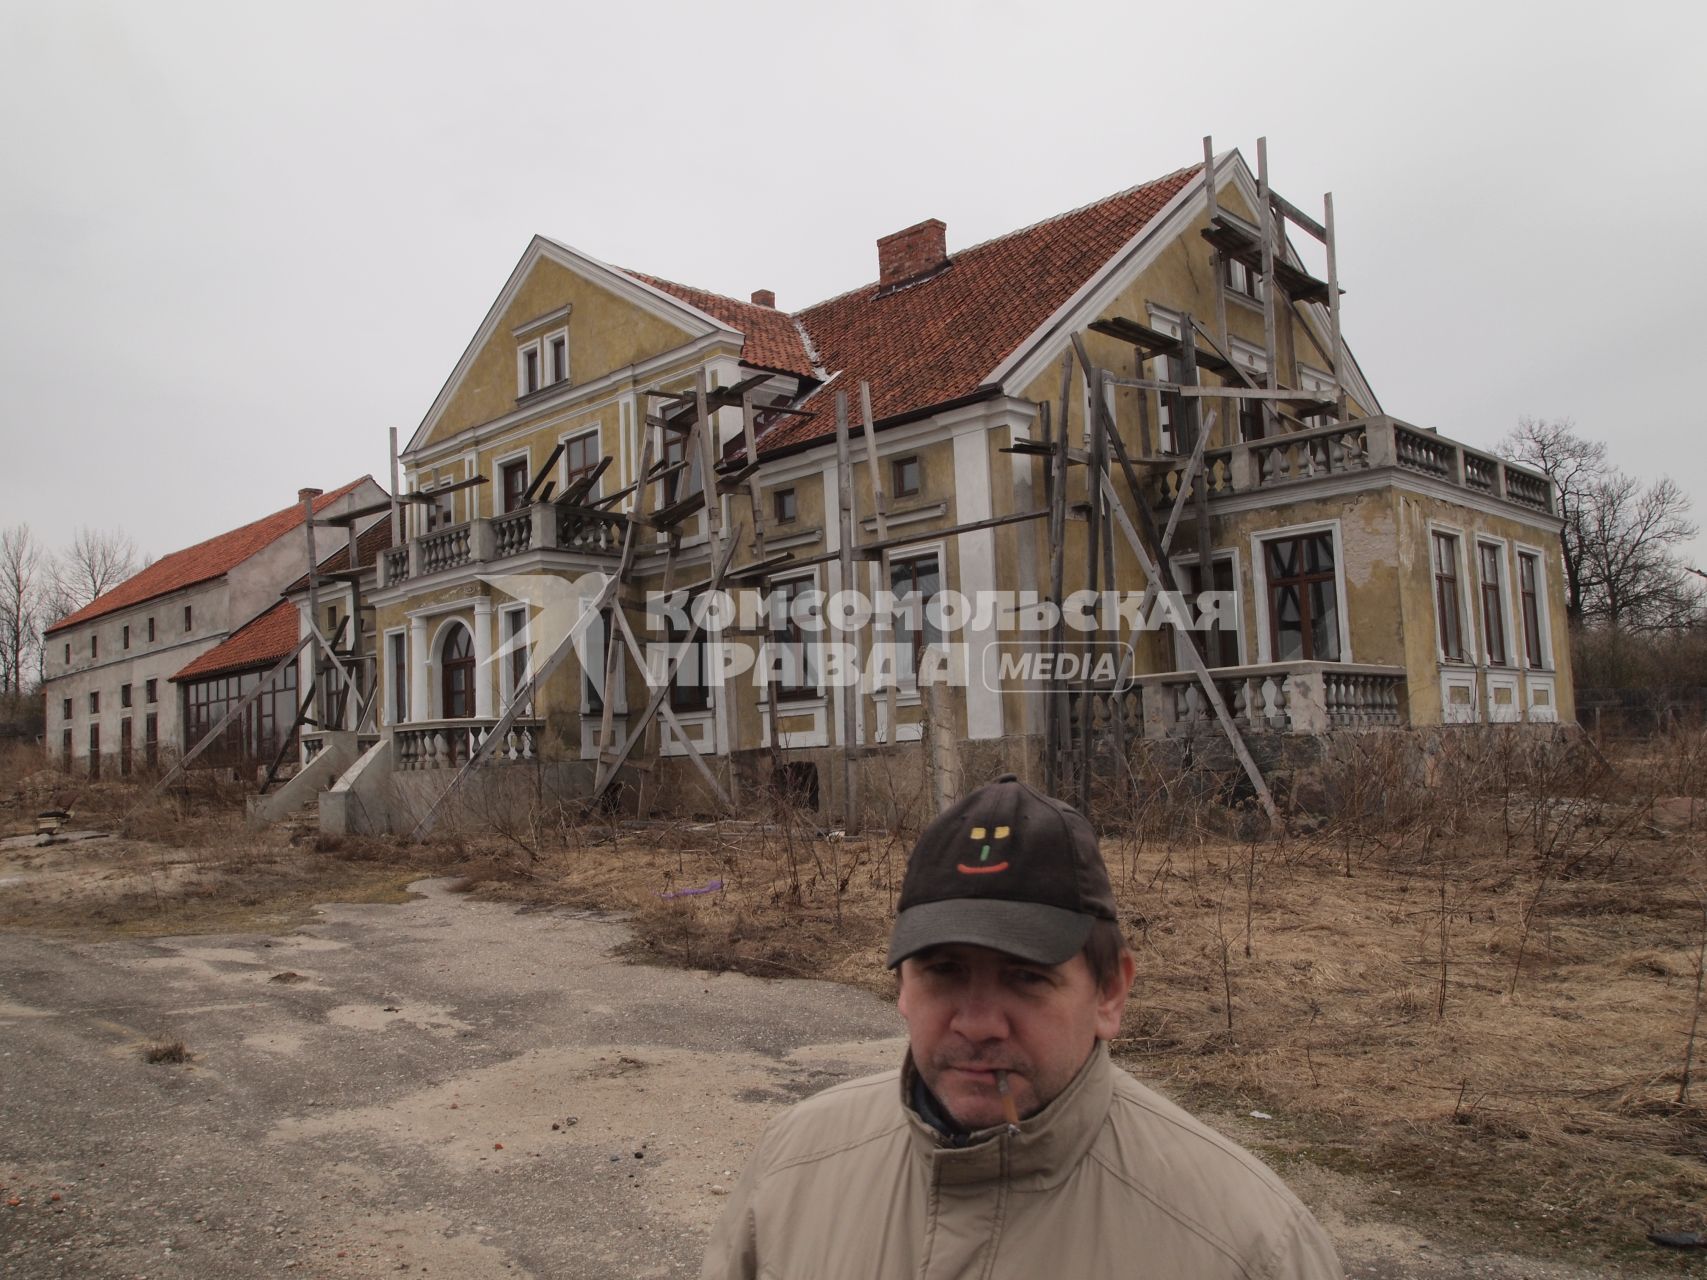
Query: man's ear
[1111,999]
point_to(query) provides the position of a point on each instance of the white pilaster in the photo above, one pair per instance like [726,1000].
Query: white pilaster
[977,578]
[483,672]
[418,708]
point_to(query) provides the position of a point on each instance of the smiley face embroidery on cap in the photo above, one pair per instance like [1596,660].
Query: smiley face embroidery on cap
[984,838]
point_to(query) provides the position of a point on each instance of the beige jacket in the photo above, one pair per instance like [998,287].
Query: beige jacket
[1109,1180]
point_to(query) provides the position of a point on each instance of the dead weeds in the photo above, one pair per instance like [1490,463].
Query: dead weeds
[1468,975]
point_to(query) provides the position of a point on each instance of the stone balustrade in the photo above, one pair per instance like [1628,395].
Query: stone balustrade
[1362,445]
[447,744]
[542,527]
[1280,697]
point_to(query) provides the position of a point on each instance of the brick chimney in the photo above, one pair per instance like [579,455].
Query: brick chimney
[306,495]
[917,251]
[764,298]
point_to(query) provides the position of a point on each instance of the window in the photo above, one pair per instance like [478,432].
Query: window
[124,695]
[148,691]
[124,747]
[441,510]
[124,637]
[515,668]
[904,475]
[397,667]
[593,672]
[1529,593]
[675,455]
[1446,597]
[691,689]
[1218,645]
[94,751]
[151,631]
[65,748]
[94,704]
[581,457]
[258,734]
[514,477]
[1493,606]
[915,581]
[1303,598]
[68,653]
[1250,419]
[794,631]
[559,348]
[1246,281]
[66,708]
[94,646]
[332,623]
[189,618]
[786,506]
[151,737]
[528,371]
[457,674]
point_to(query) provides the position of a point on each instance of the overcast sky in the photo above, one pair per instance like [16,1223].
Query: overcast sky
[238,242]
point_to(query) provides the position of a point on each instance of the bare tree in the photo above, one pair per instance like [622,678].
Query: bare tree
[1632,578]
[1620,536]
[1575,465]
[96,561]
[20,604]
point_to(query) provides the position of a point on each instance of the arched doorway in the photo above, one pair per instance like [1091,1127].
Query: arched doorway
[456,666]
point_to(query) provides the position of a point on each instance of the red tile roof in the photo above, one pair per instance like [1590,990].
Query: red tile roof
[936,341]
[258,643]
[202,562]
[771,339]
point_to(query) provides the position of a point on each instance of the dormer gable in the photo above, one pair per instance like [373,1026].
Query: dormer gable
[562,320]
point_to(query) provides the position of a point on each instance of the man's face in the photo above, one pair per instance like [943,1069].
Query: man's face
[971,1011]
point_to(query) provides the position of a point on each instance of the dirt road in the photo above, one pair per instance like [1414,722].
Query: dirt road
[447,1087]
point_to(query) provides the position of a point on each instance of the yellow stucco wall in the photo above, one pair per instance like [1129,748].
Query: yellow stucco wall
[606,333]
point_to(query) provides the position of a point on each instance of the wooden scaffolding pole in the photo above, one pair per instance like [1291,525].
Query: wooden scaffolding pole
[845,553]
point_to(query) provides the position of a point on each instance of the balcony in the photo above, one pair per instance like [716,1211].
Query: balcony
[543,527]
[1367,444]
[447,744]
[1272,698]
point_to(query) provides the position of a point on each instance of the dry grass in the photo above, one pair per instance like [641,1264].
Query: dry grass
[1468,976]
[165,1051]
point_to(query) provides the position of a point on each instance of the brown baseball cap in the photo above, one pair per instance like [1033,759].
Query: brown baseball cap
[1007,868]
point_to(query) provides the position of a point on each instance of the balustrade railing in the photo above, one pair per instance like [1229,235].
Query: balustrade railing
[1281,697]
[447,744]
[1308,454]
[512,534]
[1361,445]
[445,549]
[581,533]
[396,565]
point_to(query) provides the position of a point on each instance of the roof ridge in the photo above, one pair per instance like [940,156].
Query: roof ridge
[694,288]
[1134,189]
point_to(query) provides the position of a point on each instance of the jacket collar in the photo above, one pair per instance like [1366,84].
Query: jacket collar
[1045,1150]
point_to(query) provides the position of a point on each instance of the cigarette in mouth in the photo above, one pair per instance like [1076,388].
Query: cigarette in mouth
[1009,1109]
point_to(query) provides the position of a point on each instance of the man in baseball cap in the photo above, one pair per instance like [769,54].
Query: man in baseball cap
[1008,1144]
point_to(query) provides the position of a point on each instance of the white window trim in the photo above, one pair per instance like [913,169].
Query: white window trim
[506,687]
[546,380]
[1259,583]
[499,462]
[1467,610]
[803,704]
[537,347]
[908,686]
[393,714]
[1232,554]
[1543,611]
[1507,565]
[582,430]
[1168,322]
[435,652]
[619,697]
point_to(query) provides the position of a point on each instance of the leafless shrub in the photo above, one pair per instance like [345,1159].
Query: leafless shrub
[165,1051]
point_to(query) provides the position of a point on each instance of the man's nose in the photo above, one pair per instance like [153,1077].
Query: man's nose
[978,1016]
